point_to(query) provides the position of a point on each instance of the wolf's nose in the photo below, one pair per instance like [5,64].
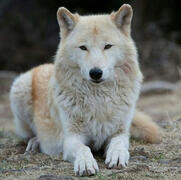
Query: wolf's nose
[95,73]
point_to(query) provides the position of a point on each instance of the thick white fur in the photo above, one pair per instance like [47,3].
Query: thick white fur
[87,115]
[21,105]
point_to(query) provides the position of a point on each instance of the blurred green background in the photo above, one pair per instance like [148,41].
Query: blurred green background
[29,32]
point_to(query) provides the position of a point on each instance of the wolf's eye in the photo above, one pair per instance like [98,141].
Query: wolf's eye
[83,48]
[107,46]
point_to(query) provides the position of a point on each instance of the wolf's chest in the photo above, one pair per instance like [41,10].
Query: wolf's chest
[102,107]
[102,122]
[99,132]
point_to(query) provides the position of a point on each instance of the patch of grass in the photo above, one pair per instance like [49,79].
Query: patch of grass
[139,141]
[158,156]
[100,177]
[154,176]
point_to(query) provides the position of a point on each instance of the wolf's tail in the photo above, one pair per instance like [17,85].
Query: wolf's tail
[143,128]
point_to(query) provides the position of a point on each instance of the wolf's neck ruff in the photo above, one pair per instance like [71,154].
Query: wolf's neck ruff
[71,78]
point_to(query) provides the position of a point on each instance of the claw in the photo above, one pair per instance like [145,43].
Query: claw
[33,145]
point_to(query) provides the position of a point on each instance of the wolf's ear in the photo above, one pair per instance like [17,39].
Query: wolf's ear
[66,20]
[122,18]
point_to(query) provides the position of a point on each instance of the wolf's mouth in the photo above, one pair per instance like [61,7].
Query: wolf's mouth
[97,81]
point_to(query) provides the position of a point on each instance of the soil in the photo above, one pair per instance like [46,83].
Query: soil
[148,161]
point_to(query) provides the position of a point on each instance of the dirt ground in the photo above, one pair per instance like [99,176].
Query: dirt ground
[148,161]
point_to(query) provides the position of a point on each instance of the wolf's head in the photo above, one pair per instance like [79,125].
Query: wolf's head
[97,45]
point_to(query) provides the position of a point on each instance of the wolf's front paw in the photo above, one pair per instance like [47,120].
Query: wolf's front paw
[117,158]
[85,164]
[33,145]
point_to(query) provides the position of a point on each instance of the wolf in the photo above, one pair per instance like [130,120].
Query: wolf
[85,101]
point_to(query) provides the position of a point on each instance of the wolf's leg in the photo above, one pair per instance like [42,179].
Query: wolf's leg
[117,154]
[75,151]
[49,137]
[21,105]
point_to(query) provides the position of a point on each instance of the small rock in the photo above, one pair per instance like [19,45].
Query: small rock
[177,160]
[141,158]
[140,151]
[164,161]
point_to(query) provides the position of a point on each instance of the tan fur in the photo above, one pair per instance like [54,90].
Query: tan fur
[143,128]
[42,119]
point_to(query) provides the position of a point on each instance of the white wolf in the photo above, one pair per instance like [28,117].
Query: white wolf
[85,100]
